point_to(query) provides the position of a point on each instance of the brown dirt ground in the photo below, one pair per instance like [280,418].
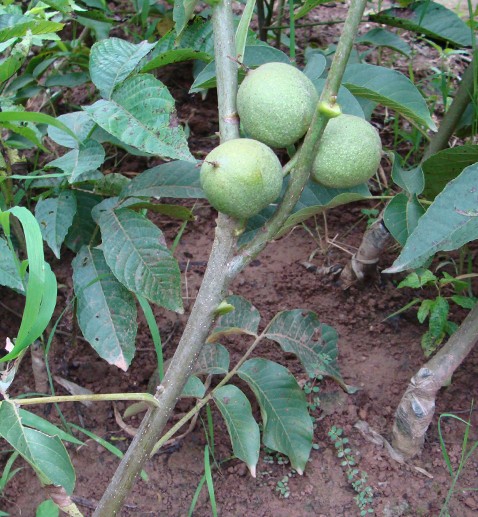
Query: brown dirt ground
[377,356]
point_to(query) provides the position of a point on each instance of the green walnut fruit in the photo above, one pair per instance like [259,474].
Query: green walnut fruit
[241,177]
[276,103]
[349,153]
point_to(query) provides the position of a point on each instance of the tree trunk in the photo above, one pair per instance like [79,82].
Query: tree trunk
[417,407]
[363,264]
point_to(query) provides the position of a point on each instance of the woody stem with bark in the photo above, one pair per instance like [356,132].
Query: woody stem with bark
[221,267]
[417,407]
[211,293]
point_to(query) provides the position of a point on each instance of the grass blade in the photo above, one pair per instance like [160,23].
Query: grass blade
[107,445]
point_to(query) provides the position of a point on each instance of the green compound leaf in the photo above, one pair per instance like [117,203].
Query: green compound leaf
[106,309]
[55,217]
[287,424]
[69,80]
[243,28]
[16,26]
[196,42]
[194,388]
[9,275]
[37,118]
[243,429]
[88,157]
[29,132]
[445,166]
[307,6]
[244,319]
[14,61]
[418,279]
[182,13]
[412,180]
[379,37]
[401,216]
[314,343]
[112,60]
[464,301]
[450,221]
[111,184]
[78,122]
[316,65]
[389,88]
[176,179]
[31,420]
[82,231]
[47,509]
[136,252]
[176,56]
[46,454]
[438,319]
[36,325]
[212,360]
[424,310]
[428,18]
[315,199]
[174,211]
[141,114]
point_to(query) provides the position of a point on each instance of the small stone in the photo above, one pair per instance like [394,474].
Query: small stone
[352,412]
[241,470]
[471,503]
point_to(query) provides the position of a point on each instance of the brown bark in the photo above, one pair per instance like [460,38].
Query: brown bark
[417,407]
[363,264]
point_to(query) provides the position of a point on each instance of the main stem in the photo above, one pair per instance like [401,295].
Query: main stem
[211,293]
[221,268]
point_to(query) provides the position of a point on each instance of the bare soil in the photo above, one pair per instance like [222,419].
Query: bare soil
[378,356]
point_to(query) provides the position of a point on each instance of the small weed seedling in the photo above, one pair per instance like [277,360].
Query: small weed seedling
[466,452]
[358,479]
[371,214]
[312,390]
[272,457]
[282,486]
[437,310]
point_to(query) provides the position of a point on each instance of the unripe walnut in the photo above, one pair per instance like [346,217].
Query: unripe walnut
[349,153]
[241,177]
[276,103]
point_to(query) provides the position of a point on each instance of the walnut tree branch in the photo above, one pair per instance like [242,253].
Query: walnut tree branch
[220,271]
